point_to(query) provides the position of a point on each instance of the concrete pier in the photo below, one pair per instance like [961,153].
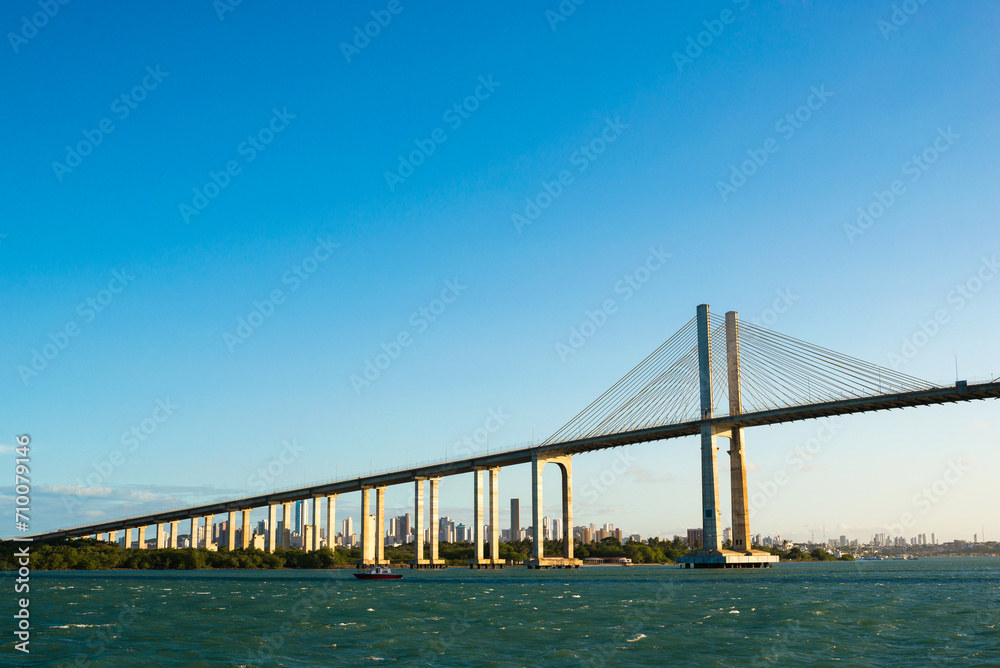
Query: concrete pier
[142,538]
[286,524]
[380,525]
[113,537]
[331,521]
[194,532]
[538,558]
[316,533]
[367,527]
[436,562]
[245,532]
[479,560]
[161,529]
[209,538]
[418,526]
[231,530]
[272,521]
[172,541]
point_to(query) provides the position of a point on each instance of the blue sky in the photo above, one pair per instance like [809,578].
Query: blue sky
[282,144]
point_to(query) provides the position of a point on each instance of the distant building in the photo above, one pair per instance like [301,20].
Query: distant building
[515,518]
[694,538]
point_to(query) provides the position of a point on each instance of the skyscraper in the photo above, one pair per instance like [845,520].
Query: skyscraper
[515,518]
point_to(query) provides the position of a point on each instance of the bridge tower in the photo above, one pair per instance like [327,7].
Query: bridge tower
[711,554]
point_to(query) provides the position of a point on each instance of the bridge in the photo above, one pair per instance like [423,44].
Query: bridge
[714,377]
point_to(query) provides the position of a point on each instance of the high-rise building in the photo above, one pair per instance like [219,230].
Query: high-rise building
[545,528]
[556,534]
[694,538]
[515,518]
[348,528]
[297,518]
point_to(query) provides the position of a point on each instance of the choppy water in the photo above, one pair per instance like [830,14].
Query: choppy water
[923,613]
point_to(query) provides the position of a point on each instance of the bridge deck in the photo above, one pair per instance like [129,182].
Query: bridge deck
[941,395]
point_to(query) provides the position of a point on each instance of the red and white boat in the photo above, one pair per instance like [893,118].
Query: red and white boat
[378,573]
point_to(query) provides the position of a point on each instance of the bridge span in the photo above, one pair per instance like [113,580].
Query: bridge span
[699,382]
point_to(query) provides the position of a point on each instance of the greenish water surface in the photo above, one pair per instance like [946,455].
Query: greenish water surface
[893,613]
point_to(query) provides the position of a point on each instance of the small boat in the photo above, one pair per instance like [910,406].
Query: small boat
[378,573]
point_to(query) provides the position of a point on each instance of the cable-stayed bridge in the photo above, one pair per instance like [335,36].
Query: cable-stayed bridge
[714,377]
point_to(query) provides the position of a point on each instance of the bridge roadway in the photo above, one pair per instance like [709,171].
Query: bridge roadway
[938,395]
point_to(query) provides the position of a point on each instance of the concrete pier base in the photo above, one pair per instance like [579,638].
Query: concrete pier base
[727,559]
[426,563]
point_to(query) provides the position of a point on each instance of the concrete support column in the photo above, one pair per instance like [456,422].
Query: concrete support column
[272,521]
[286,523]
[209,525]
[379,525]
[231,530]
[331,521]
[537,536]
[367,527]
[113,537]
[172,542]
[494,515]
[245,533]
[737,459]
[418,518]
[709,469]
[194,532]
[160,528]
[434,521]
[127,538]
[566,466]
[316,537]
[538,558]
[477,514]
[142,538]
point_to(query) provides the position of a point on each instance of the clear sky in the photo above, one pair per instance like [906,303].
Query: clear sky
[215,219]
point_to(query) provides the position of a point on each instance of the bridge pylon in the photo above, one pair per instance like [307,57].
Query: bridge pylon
[712,554]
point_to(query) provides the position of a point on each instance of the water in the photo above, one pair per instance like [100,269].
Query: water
[892,613]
